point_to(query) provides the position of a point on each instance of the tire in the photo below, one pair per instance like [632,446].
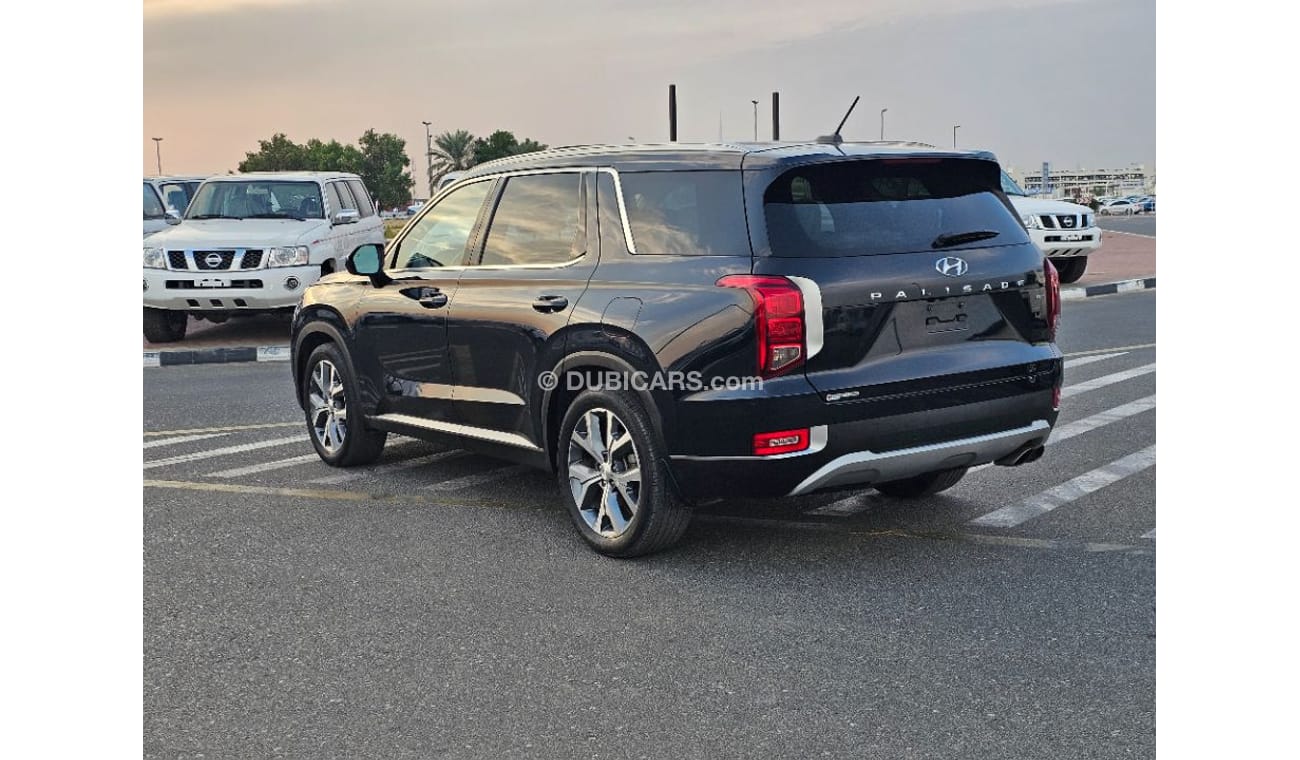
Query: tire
[648,516]
[1070,270]
[164,325]
[926,484]
[328,388]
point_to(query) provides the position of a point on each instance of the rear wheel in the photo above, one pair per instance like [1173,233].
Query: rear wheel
[1070,270]
[927,484]
[612,472]
[164,325]
[329,393]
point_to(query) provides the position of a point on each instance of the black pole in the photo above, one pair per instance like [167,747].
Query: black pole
[776,116]
[672,113]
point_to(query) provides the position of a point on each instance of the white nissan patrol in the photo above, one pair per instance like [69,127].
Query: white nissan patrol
[251,243]
[1065,232]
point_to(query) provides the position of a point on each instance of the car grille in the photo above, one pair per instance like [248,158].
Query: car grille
[250,258]
[1068,221]
[221,260]
[176,260]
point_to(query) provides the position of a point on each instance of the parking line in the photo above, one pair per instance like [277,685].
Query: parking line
[230,429]
[846,507]
[180,439]
[1082,360]
[1075,488]
[1123,411]
[1113,348]
[265,466]
[456,484]
[384,469]
[1151,534]
[1104,380]
[210,453]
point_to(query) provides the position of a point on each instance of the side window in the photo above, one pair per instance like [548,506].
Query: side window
[153,209]
[332,198]
[439,238]
[345,194]
[539,220]
[362,198]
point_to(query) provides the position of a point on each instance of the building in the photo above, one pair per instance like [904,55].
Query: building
[1084,183]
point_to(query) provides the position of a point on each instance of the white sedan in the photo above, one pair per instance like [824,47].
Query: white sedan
[1121,207]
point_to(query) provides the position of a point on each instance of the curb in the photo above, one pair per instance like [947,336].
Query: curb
[216,356]
[1107,289]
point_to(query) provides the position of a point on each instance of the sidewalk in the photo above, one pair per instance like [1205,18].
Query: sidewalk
[1121,257]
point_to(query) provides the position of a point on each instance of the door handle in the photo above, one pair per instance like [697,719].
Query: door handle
[550,304]
[434,301]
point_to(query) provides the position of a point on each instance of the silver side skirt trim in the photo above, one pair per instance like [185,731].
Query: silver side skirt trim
[817,438]
[871,467]
[451,428]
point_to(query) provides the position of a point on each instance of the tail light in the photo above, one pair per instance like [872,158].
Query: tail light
[778,314]
[1053,296]
[780,442]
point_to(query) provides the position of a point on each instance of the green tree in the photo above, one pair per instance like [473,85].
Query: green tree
[379,158]
[452,152]
[384,168]
[501,144]
[332,156]
[279,154]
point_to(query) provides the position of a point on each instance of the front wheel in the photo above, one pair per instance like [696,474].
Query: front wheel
[926,484]
[334,422]
[164,325]
[612,472]
[1070,270]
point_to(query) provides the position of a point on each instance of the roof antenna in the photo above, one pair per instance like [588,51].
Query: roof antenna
[835,139]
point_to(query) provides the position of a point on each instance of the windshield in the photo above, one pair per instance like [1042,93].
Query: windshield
[1010,187]
[257,199]
[152,208]
[886,206]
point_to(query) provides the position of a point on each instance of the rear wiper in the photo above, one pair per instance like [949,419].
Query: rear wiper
[214,216]
[948,240]
[274,215]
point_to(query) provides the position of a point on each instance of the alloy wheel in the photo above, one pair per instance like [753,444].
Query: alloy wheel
[604,472]
[329,407]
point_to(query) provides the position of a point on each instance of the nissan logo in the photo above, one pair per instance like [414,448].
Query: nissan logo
[951,266]
[213,260]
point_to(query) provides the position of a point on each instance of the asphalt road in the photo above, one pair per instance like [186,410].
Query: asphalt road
[1140,224]
[294,610]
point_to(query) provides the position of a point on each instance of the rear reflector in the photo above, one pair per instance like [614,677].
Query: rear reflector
[780,442]
[1056,398]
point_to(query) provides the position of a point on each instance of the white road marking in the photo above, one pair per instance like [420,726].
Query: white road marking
[384,469]
[1125,232]
[265,466]
[1104,380]
[1151,534]
[846,507]
[1082,360]
[179,439]
[1111,349]
[456,484]
[210,453]
[1075,488]
[1123,411]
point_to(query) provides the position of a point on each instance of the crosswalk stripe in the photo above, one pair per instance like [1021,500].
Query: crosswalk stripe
[1104,380]
[265,466]
[384,469]
[456,484]
[210,453]
[1123,411]
[1082,360]
[1075,488]
[179,439]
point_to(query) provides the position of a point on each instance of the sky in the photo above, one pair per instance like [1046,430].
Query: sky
[1064,81]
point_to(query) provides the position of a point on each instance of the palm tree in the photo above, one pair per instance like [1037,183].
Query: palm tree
[452,151]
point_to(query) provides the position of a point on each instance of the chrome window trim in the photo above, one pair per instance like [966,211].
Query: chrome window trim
[451,428]
[817,438]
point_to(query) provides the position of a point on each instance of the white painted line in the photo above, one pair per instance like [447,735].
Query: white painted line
[1111,349]
[456,484]
[1134,234]
[1151,534]
[384,469]
[179,439]
[273,353]
[210,453]
[1100,419]
[846,507]
[1082,360]
[266,466]
[1075,488]
[1104,380]
[151,359]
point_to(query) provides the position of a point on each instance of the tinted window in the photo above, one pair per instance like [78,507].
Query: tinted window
[686,213]
[537,221]
[153,209]
[362,198]
[256,199]
[439,238]
[855,208]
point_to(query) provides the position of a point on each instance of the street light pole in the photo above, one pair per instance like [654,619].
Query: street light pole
[428,154]
[955,127]
[882,123]
[755,102]
[157,144]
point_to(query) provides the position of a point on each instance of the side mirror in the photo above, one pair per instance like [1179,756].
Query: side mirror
[347,216]
[368,260]
[172,218]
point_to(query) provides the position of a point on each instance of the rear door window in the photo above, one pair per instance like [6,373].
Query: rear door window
[686,213]
[362,198]
[884,206]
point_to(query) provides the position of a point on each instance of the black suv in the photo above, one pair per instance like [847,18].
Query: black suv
[660,324]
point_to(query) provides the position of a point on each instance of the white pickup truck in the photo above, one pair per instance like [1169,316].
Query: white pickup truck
[1065,232]
[251,243]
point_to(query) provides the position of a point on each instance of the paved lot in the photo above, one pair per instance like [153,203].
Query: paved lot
[439,604]
[1141,224]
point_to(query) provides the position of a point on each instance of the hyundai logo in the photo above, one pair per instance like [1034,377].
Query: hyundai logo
[213,260]
[951,266]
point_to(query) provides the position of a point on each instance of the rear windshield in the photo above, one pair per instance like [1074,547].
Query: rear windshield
[686,213]
[869,207]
